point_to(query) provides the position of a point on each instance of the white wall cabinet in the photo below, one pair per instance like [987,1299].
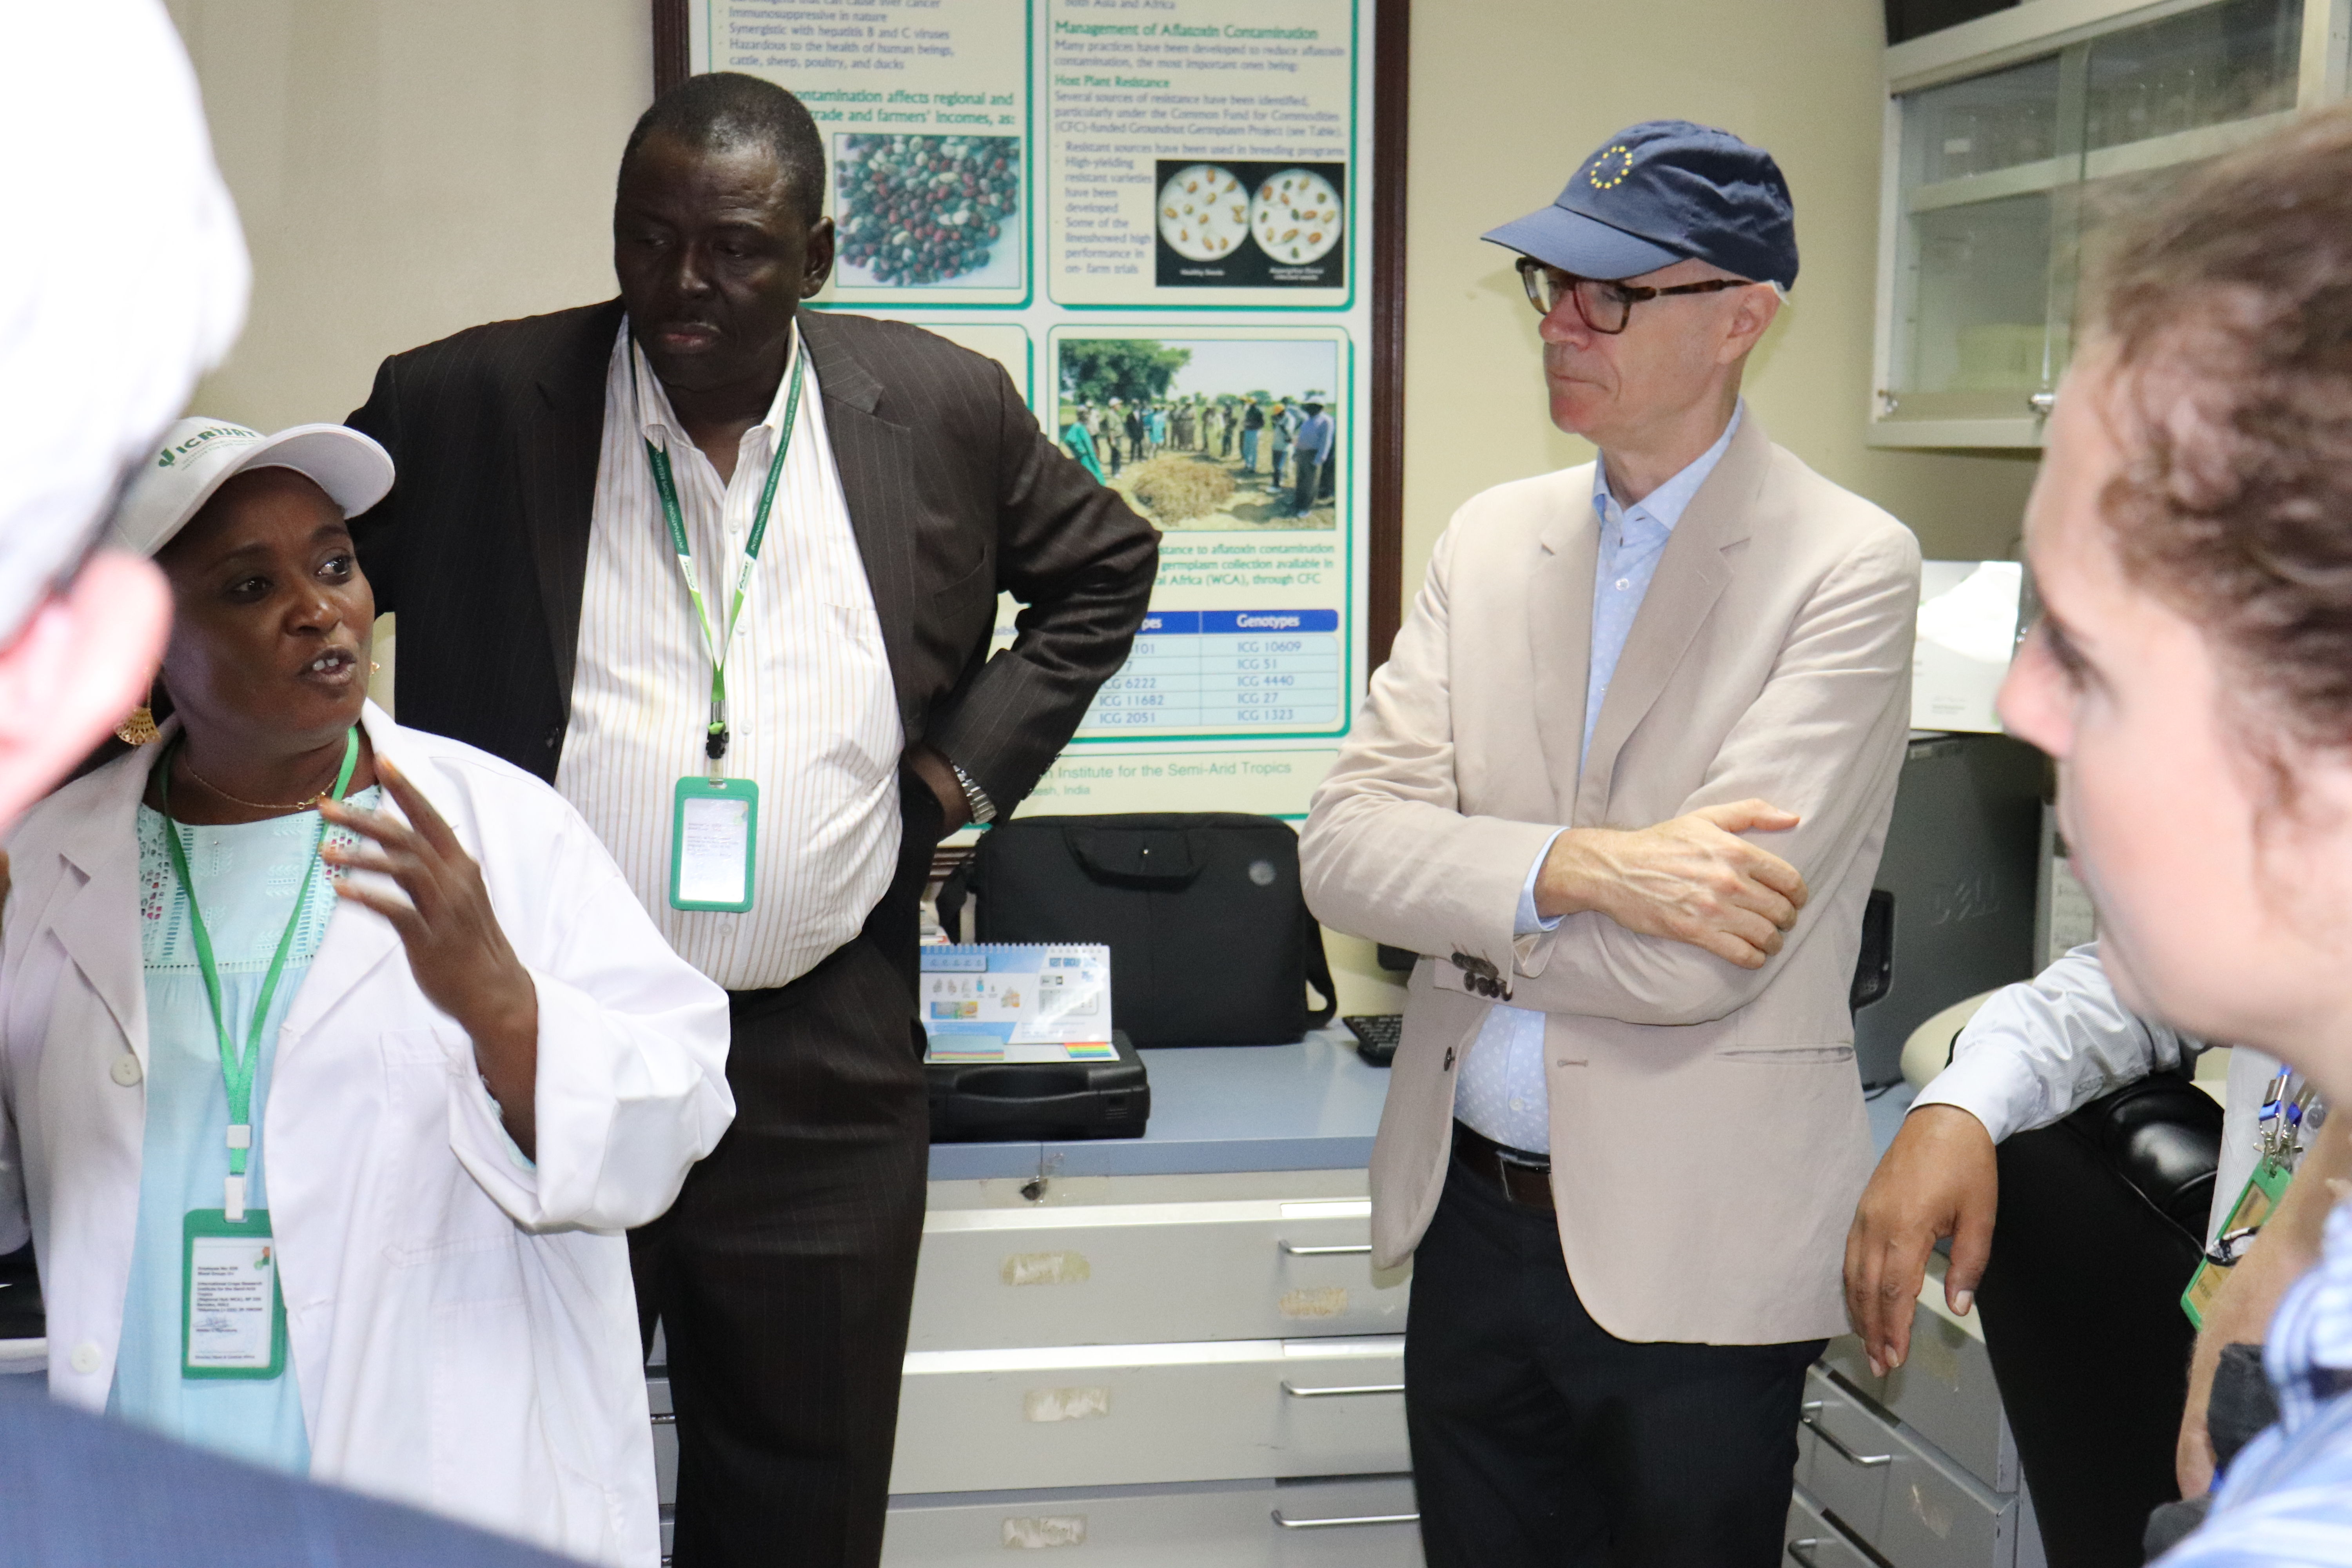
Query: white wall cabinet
[2013,142]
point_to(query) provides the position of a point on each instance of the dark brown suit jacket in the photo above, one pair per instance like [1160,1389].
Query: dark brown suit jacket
[953,492]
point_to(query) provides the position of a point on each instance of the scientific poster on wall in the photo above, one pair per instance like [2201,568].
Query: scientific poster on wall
[1152,213]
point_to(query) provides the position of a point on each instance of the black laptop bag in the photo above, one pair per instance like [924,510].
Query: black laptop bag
[1211,943]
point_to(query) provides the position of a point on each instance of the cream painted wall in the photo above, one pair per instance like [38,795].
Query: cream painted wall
[1509,95]
[406,168]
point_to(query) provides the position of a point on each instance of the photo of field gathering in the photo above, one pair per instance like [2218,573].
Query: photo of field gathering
[1207,433]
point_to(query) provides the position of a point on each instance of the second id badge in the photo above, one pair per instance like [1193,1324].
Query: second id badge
[714,832]
[2260,1196]
[232,1318]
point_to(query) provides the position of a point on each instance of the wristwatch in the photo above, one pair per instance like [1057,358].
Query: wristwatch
[982,808]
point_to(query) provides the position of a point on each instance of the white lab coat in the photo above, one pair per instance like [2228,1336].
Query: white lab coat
[461,1324]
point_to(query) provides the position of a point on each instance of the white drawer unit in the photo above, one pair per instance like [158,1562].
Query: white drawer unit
[1247,1269]
[1118,1415]
[1365,1521]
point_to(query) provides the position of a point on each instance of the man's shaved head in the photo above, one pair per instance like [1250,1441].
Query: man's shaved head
[728,108]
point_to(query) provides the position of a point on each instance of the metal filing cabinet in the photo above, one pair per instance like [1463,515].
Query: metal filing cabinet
[1916,1467]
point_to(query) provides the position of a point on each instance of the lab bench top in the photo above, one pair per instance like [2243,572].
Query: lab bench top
[1312,1105]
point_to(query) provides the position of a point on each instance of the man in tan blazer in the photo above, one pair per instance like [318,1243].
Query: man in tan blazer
[1625,781]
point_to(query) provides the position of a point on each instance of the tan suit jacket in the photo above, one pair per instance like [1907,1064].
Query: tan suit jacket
[1707,1133]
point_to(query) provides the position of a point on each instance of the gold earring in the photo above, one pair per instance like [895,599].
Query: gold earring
[375,668]
[138,727]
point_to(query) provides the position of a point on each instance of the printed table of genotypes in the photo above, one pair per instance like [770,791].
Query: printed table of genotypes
[1225,669]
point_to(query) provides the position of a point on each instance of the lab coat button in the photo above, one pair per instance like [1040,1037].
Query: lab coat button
[125,1070]
[85,1357]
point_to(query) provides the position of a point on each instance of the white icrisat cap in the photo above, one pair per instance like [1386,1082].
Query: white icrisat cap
[199,456]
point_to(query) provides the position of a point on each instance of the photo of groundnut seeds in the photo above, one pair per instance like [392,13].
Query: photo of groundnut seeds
[1295,216]
[926,210]
[1203,212]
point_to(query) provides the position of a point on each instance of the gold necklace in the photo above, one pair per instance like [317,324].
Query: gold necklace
[303,804]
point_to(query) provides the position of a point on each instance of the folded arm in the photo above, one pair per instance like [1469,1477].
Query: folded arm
[1822,742]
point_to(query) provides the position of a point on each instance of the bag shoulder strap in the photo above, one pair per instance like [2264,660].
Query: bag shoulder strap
[1318,969]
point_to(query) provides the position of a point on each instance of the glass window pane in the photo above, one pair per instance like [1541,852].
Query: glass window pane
[2206,66]
[1997,121]
[1974,299]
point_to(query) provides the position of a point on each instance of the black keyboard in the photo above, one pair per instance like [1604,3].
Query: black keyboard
[1376,1036]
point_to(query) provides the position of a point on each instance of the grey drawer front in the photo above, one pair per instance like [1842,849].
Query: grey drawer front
[665,1441]
[1844,1357]
[1843,1454]
[1122,1527]
[1945,1390]
[1361,1522]
[1938,1515]
[1135,1414]
[1149,1272]
[1813,1541]
[1358,1522]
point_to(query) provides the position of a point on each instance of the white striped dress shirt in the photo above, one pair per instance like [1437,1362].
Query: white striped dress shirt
[812,715]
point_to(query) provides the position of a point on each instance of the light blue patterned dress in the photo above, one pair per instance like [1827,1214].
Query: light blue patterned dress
[247,876]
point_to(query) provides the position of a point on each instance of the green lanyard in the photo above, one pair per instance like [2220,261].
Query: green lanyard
[722,642]
[237,1070]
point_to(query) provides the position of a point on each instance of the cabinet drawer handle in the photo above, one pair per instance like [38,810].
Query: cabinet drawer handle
[1295,1391]
[1344,1523]
[1354,1249]
[1801,1553]
[1810,1415]
[2042,402]
[665,1417]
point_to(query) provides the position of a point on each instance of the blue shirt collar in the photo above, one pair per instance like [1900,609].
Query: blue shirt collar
[1665,505]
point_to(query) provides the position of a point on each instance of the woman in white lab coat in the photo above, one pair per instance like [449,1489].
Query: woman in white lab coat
[414,1055]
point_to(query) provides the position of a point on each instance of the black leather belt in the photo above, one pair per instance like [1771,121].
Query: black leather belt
[1523,1178]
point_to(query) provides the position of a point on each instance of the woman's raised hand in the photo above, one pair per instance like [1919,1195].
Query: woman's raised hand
[456,949]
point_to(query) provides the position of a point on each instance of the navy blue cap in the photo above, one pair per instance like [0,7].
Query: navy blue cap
[1661,191]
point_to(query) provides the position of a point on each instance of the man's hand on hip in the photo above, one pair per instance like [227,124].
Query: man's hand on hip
[1939,1179]
[1693,880]
[934,770]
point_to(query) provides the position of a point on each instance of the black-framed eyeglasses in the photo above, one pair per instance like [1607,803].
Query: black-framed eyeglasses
[1605,305]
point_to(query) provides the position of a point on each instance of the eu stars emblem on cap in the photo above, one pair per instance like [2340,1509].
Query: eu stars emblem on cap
[1661,191]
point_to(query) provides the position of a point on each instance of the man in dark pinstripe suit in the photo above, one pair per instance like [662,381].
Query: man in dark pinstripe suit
[543,616]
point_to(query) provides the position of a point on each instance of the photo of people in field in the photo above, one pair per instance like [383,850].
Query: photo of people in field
[1207,433]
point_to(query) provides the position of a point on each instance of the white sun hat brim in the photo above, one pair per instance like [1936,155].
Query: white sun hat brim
[198,456]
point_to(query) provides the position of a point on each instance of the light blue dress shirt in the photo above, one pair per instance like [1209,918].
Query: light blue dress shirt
[1503,1093]
[247,876]
[2286,1501]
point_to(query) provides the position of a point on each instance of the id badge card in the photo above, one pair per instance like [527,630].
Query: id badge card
[232,1321]
[2262,1192]
[714,832]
